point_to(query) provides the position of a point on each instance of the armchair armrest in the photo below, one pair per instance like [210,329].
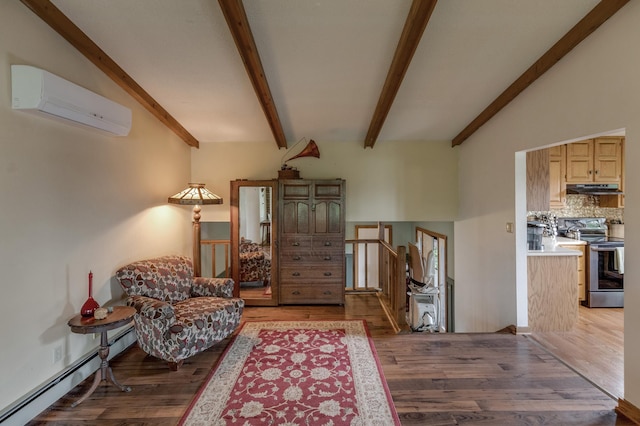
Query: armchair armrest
[152,309]
[246,246]
[216,287]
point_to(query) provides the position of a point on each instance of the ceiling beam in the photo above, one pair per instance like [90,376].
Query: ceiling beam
[414,26]
[596,17]
[238,23]
[74,35]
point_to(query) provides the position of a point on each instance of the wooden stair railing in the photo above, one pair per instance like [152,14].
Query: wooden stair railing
[215,244]
[391,287]
[393,296]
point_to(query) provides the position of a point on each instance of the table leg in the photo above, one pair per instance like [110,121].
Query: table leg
[123,388]
[96,381]
[104,373]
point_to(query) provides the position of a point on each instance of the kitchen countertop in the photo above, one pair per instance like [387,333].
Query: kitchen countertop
[554,249]
[565,241]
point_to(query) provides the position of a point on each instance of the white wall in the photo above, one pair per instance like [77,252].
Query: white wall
[73,200]
[413,183]
[595,89]
[399,181]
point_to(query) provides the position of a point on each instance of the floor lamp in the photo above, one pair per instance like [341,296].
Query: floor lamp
[196,195]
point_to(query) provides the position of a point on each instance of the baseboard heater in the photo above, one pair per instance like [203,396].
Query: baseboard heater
[13,411]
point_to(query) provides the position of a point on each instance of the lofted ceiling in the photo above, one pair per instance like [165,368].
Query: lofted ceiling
[370,71]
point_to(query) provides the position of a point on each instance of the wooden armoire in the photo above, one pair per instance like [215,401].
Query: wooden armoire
[311,243]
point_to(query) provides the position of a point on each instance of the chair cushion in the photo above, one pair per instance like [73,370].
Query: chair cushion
[202,313]
[167,278]
[198,324]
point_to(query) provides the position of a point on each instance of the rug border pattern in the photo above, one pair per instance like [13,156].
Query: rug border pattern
[375,407]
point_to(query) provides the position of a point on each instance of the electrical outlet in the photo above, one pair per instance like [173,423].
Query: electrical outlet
[57,354]
[509,227]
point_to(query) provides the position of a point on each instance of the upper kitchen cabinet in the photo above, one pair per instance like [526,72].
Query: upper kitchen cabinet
[580,162]
[557,172]
[595,160]
[538,180]
[616,201]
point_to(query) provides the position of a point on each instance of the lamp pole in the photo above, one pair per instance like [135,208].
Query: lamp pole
[196,241]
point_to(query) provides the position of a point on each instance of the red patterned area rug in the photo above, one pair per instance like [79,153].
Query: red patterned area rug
[296,373]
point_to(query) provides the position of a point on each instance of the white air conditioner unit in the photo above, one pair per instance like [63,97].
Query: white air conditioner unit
[39,91]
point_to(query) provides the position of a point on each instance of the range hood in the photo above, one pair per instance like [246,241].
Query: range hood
[594,189]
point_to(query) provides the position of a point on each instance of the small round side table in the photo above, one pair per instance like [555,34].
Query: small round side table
[121,315]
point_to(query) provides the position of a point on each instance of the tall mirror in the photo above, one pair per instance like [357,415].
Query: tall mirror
[253,227]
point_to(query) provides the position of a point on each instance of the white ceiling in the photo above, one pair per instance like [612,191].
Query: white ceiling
[325,60]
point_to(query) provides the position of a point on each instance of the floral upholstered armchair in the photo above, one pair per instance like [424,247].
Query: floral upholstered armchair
[255,264]
[178,315]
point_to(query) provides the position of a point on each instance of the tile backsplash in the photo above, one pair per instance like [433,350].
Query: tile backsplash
[585,206]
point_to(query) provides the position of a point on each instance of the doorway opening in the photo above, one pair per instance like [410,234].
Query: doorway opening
[595,346]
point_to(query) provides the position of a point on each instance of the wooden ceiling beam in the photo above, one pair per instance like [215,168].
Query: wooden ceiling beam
[238,23]
[57,20]
[414,26]
[596,17]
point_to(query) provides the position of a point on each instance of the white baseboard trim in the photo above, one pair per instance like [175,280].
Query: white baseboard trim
[32,404]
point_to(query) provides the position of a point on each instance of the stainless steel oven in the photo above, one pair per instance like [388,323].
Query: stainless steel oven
[605,273]
[604,260]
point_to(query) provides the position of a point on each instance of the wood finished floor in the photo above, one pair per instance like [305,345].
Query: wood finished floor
[446,379]
[594,348]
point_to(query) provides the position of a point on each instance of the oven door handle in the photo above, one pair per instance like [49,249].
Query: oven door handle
[611,249]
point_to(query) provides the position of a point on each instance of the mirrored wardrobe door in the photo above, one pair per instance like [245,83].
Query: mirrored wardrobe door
[253,228]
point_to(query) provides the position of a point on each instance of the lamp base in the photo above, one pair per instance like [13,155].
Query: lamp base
[289,174]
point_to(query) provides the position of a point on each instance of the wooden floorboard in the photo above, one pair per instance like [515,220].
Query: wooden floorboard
[434,379]
[594,348]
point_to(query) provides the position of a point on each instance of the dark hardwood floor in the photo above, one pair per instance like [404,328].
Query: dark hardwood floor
[435,379]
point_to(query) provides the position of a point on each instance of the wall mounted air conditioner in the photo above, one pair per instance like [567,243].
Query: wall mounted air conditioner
[38,91]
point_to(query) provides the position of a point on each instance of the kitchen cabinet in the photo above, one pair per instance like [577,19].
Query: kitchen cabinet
[581,269]
[580,162]
[616,201]
[538,180]
[557,172]
[312,241]
[596,160]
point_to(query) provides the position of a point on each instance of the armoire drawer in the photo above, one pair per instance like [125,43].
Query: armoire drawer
[313,273]
[319,258]
[328,242]
[298,243]
[312,294]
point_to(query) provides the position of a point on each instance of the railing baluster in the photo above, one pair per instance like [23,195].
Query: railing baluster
[366,262]
[214,244]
